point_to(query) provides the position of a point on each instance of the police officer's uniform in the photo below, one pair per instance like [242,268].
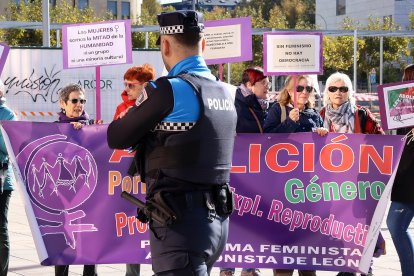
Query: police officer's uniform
[184,132]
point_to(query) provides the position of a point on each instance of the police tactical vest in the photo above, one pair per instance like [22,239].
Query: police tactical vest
[202,154]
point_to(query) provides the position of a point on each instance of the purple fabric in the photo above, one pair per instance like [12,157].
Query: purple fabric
[84,118]
[74,184]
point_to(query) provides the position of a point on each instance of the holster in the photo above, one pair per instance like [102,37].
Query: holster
[156,209]
[224,200]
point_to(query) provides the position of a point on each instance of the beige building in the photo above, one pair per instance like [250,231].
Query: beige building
[120,9]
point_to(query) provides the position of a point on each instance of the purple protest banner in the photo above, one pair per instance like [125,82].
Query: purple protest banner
[302,201]
[306,202]
[71,184]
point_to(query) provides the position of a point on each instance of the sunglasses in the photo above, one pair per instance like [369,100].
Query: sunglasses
[300,88]
[75,101]
[342,89]
[131,84]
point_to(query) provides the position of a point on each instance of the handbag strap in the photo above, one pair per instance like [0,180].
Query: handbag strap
[257,120]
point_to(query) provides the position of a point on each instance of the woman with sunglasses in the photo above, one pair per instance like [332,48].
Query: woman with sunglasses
[283,117]
[72,103]
[339,111]
[341,114]
[135,80]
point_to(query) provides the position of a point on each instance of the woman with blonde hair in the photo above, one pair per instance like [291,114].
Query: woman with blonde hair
[292,115]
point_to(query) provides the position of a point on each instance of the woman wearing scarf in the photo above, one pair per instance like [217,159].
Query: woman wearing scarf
[341,114]
[340,109]
[72,103]
[251,105]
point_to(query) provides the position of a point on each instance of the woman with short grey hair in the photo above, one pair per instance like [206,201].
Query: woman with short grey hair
[340,112]
[72,100]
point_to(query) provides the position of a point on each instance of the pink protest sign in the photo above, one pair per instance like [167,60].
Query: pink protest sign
[96,44]
[228,40]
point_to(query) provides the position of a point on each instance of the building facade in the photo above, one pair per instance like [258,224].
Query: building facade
[120,9]
[204,4]
[329,14]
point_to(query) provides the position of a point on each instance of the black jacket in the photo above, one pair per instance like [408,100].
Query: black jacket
[246,123]
[403,189]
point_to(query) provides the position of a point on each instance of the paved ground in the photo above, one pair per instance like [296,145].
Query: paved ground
[24,260]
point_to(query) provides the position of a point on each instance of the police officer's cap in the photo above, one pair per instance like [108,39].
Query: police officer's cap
[180,22]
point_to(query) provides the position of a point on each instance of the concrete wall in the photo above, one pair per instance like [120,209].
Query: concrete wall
[33,78]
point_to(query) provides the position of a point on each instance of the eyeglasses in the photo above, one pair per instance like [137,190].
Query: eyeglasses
[266,84]
[131,84]
[75,101]
[300,88]
[342,89]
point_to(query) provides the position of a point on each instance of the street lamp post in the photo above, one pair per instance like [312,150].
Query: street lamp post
[324,21]
[46,23]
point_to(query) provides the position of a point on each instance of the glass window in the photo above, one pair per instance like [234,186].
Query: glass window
[113,9]
[340,7]
[52,3]
[126,10]
[83,4]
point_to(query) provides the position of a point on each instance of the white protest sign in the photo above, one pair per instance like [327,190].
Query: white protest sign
[228,40]
[292,53]
[95,44]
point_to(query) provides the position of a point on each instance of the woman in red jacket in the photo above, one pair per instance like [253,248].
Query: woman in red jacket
[135,80]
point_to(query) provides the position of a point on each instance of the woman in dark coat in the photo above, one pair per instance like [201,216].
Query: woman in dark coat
[401,211]
[251,105]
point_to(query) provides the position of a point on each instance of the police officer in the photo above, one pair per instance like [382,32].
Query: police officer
[183,129]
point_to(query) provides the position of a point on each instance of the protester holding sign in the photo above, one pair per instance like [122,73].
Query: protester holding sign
[285,118]
[135,80]
[340,114]
[72,103]
[401,211]
[6,187]
[183,132]
[252,105]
